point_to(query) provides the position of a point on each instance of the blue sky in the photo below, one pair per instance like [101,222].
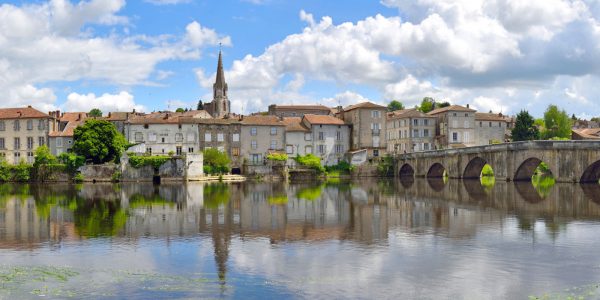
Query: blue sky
[501,55]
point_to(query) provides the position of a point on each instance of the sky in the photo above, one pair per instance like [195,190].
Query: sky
[150,55]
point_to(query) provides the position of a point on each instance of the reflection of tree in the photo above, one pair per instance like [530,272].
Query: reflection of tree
[139,201]
[278,199]
[99,218]
[216,194]
[543,184]
[310,193]
[525,224]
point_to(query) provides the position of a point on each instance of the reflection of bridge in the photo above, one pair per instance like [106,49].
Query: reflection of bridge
[569,161]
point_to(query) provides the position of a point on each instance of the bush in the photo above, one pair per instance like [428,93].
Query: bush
[342,167]
[71,161]
[385,167]
[21,172]
[116,176]
[217,160]
[43,157]
[78,177]
[141,161]
[277,156]
[310,161]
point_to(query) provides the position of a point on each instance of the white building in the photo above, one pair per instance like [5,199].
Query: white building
[330,138]
[298,139]
[22,130]
[456,126]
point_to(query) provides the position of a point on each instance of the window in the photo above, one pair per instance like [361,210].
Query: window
[191,150]
[41,124]
[59,142]
[2,126]
[499,124]
[273,130]
[338,135]
[339,148]
[415,122]
[29,124]
[256,158]
[152,137]
[29,143]
[321,136]
[466,137]
[220,137]
[207,137]
[426,122]
[375,152]
[41,141]
[455,136]
[17,144]
[273,144]
[253,144]
[307,136]
[490,125]
[178,150]
[400,133]
[149,150]
[466,115]
[17,125]
[480,124]
[289,149]
[236,137]
[17,157]
[426,132]
[2,143]
[425,146]
[253,131]
[139,137]
[454,114]
[322,149]
[375,114]
[178,137]
[235,151]
[163,140]
[307,149]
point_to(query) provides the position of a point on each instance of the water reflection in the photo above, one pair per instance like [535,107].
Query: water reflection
[365,214]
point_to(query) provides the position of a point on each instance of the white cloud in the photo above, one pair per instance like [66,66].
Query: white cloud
[167,2]
[199,36]
[122,101]
[344,99]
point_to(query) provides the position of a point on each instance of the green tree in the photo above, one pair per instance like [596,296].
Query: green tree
[179,110]
[427,105]
[95,113]
[216,161]
[525,128]
[442,104]
[557,123]
[43,157]
[395,105]
[98,141]
[200,105]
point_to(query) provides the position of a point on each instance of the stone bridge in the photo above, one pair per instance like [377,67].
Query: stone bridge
[569,161]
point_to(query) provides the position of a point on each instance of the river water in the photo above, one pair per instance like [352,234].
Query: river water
[423,239]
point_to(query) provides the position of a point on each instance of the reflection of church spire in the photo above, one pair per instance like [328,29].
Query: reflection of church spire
[221,236]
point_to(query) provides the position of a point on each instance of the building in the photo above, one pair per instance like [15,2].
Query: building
[224,135]
[368,126]
[22,130]
[166,132]
[119,119]
[490,128]
[298,110]
[261,135]
[220,105]
[330,138]
[410,130]
[298,139]
[455,126]
[585,134]
[60,139]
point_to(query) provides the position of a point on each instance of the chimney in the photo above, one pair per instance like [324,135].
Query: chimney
[19,113]
[281,118]
[134,110]
[79,117]
[29,106]
[467,105]
[166,116]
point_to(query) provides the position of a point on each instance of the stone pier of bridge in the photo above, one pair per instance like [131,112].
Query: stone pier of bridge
[569,161]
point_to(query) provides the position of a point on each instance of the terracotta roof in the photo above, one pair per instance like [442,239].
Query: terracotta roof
[303,107]
[227,121]
[408,113]
[73,119]
[450,108]
[262,121]
[587,133]
[491,117]
[22,113]
[120,115]
[294,124]
[364,105]
[322,119]
[169,117]
[73,116]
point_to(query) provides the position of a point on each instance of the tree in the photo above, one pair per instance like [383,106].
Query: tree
[442,104]
[95,113]
[215,161]
[395,105]
[525,129]
[43,156]
[179,110]
[557,123]
[200,105]
[427,105]
[98,141]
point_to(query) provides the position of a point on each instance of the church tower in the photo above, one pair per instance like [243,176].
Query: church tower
[220,106]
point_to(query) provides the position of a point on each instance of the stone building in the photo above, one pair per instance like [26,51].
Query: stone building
[22,130]
[261,135]
[220,105]
[166,132]
[368,127]
[60,139]
[456,126]
[298,110]
[490,128]
[298,139]
[330,137]
[119,119]
[224,135]
[410,130]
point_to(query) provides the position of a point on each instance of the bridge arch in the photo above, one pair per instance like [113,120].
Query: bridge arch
[407,170]
[526,169]
[474,168]
[436,171]
[591,173]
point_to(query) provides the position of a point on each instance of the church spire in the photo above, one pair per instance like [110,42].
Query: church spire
[220,81]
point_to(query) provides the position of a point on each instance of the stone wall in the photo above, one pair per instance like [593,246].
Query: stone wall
[103,172]
[182,168]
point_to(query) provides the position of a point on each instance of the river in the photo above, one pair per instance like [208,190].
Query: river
[421,239]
